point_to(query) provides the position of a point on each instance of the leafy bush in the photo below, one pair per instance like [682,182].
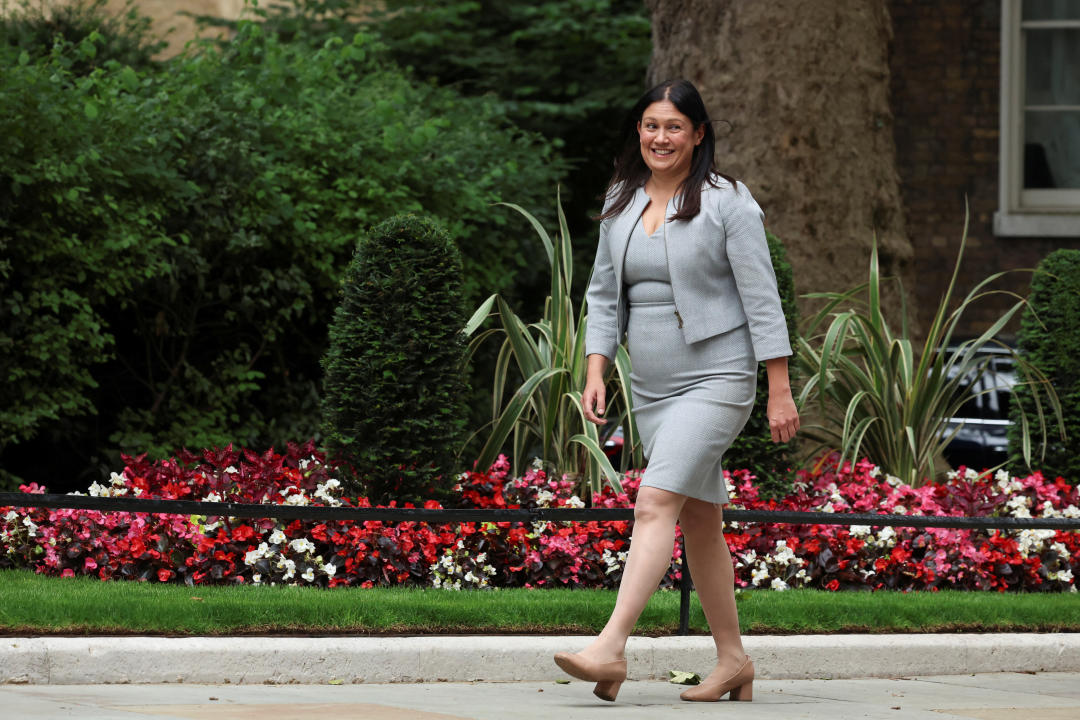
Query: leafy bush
[33,28]
[173,241]
[878,396]
[568,69]
[754,449]
[1049,339]
[393,400]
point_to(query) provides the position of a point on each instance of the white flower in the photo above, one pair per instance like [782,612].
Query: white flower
[575,502]
[481,558]
[11,516]
[251,557]
[231,470]
[30,526]
[256,578]
[277,537]
[971,474]
[544,497]
[1002,478]
[859,530]
[116,479]
[759,573]
[289,566]
[300,499]
[302,545]
[330,569]
[1017,506]
[1032,541]
[212,497]
[778,584]
[899,510]
[892,480]
[874,471]
[827,507]
[488,570]
[309,574]
[98,490]
[469,577]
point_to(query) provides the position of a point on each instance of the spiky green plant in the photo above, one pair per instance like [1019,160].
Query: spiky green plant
[544,414]
[880,398]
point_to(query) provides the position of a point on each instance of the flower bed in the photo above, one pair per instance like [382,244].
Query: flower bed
[200,550]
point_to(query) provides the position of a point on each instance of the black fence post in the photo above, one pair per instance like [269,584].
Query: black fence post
[686,584]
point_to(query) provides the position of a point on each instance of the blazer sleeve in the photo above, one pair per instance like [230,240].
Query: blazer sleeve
[601,330]
[751,264]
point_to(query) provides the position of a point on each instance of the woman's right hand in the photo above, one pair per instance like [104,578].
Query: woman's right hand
[593,398]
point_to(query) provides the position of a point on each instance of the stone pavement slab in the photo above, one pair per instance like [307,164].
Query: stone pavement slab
[1039,696]
[350,660]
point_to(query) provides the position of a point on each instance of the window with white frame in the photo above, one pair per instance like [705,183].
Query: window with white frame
[1040,119]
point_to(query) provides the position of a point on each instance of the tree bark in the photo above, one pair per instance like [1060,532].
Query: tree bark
[804,88]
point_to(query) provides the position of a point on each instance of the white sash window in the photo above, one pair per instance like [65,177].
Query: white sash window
[1040,119]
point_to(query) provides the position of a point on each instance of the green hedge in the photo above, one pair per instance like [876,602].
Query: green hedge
[754,449]
[1049,338]
[394,390]
[172,241]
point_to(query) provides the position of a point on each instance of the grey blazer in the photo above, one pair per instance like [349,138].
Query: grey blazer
[721,274]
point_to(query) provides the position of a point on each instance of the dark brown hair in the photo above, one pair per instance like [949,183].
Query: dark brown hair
[631,172]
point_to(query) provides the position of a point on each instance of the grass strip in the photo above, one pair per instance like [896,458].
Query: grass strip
[33,604]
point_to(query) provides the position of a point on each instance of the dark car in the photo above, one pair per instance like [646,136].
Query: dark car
[981,442]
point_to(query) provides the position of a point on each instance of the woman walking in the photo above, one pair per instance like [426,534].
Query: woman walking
[683,270]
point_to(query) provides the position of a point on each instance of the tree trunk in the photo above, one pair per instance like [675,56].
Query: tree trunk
[805,88]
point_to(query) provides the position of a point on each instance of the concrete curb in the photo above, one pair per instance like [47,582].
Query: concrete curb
[319,660]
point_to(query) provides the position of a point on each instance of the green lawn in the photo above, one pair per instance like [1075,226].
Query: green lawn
[33,604]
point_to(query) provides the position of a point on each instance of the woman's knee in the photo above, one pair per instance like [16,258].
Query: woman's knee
[654,504]
[697,514]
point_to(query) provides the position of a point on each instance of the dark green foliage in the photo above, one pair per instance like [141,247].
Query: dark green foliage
[85,25]
[171,242]
[1049,339]
[754,449]
[393,398]
[568,69]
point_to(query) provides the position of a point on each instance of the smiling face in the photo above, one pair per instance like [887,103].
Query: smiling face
[668,139]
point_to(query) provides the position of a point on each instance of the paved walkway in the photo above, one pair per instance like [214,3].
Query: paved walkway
[1000,696]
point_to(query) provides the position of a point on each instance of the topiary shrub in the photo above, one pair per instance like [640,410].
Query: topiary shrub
[1049,339]
[394,389]
[754,449]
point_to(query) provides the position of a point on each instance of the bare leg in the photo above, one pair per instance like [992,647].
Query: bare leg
[714,577]
[655,515]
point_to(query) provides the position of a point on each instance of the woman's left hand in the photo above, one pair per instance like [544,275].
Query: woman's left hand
[783,416]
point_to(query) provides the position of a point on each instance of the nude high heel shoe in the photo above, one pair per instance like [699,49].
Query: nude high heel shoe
[608,677]
[739,686]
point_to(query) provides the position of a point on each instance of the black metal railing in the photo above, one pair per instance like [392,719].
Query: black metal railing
[358,514]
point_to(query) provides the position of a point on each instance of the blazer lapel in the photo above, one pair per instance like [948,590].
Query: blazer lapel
[622,229]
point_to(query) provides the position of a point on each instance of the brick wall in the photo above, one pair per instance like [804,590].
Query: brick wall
[945,64]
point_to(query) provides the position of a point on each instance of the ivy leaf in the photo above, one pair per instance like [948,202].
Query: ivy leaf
[90,110]
[682,677]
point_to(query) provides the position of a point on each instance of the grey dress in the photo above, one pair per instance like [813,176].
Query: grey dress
[690,399]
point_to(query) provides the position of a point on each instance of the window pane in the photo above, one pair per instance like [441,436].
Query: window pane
[1053,67]
[1051,150]
[1051,9]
